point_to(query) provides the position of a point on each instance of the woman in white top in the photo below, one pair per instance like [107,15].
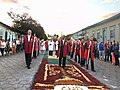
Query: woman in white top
[51,47]
[42,45]
[2,47]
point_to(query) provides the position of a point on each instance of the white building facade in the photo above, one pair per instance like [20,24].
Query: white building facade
[108,29]
[6,33]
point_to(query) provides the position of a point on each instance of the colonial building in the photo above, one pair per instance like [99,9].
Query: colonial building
[108,29]
[6,32]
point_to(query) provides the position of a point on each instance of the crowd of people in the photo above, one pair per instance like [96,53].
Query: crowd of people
[108,52]
[15,47]
[82,51]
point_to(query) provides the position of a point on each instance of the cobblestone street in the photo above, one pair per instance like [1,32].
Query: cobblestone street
[13,72]
[15,76]
[106,73]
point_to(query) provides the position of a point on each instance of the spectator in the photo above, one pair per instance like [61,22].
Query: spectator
[96,54]
[51,47]
[2,47]
[42,46]
[116,53]
[111,50]
[106,51]
[14,47]
[101,51]
[8,47]
[18,45]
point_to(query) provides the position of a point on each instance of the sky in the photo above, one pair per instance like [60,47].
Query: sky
[61,16]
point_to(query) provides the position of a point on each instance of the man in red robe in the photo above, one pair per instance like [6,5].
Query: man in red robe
[62,51]
[89,52]
[28,47]
[77,51]
[82,51]
[72,49]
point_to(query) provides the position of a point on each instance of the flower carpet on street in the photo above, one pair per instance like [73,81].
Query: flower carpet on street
[50,74]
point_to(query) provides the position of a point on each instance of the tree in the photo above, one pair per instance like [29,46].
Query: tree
[22,23]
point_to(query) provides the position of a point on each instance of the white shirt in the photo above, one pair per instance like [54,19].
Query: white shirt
[63,41]
[28,38]
[90,43]
[17,42]
[3,44]
[51,45]
[56,45]
[42,46]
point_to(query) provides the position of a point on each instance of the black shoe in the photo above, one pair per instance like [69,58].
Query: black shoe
[86,66]
[63,67]
[28,67]
[93,70]
[59,65]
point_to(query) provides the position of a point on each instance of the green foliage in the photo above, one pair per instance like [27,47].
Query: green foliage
[22,23]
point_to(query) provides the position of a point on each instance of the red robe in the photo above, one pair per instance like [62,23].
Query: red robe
[77,48]
[91,51]
[64,48]
[82,50]
[69,46]
[36,45]
[28,46]
[46,45]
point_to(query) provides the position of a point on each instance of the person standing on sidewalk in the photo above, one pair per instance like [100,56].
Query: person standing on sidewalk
[116,53]
[2,46]
[28,45]
[101,51]
[106,46]
[14,47]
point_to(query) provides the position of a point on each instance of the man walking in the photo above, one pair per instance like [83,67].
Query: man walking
[62,51]
[28,46]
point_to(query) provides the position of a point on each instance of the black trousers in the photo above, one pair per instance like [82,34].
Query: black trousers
[64,61]
[109,55]
[72,54]
[28,59]
[82,62]
[116,59]
[50,53]
[2,51]
[56,52]
[78,58]
[34,54]
[92,65]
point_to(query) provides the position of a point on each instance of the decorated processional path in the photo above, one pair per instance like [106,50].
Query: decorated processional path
[50,76]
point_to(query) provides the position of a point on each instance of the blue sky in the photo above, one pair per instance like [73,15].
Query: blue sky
[66,16]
